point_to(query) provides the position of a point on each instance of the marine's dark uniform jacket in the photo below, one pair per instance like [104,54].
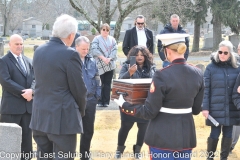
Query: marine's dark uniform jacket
[178,86]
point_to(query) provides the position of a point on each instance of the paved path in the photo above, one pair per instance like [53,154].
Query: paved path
[190,58]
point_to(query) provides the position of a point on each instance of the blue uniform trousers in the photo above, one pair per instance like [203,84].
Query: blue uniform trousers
[158,154]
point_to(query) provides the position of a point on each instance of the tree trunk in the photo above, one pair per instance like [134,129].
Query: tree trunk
[195,47]
[217,32]
[5,27]
[107,12]
[1,49]
[117,28]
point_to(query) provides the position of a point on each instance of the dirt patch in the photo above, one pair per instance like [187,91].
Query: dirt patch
[107,124]
[104,142]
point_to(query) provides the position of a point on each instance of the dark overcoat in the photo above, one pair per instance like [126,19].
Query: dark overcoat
[13,81]
[130,40]
[60,92]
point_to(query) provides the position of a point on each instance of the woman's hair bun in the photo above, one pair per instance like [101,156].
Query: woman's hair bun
[181,48]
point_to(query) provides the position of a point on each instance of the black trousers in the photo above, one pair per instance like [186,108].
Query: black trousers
[106,80]
[22,120]
[88,128]
[125,128]
[57,147]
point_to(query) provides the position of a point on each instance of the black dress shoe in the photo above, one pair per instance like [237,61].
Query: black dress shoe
[106,105]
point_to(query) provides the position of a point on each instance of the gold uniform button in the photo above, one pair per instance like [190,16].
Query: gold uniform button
[126,110]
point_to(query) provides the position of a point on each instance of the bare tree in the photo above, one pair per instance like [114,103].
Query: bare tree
[47,10]
[105,10]
[165,8]
[6,7]
[16,19]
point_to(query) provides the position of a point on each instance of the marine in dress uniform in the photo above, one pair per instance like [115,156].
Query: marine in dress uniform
[176,93]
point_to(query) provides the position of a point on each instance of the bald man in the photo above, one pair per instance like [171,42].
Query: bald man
[18,83]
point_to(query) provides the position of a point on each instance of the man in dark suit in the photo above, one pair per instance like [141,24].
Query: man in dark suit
[138,35]
[59,99]
[17,80]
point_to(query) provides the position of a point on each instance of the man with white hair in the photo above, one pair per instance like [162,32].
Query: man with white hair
[59,99]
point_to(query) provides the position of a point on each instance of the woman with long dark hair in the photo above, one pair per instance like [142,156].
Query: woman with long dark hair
[144,68]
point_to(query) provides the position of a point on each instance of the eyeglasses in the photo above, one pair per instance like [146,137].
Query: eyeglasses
[140,23]
[105,30]
[221,52]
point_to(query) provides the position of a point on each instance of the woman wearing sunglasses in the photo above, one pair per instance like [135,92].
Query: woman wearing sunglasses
[219,79]
[104,50]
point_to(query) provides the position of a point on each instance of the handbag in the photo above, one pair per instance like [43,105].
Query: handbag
[103,66]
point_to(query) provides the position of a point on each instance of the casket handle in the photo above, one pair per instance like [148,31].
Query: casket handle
[123,93]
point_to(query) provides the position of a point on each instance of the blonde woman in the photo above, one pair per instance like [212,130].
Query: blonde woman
[175,95]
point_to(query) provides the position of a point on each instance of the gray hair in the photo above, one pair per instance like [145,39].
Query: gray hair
[64,26]
[174,16]
[81,39]
[141,17]
[233,55]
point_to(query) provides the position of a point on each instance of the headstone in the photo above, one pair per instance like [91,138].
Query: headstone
[35,47]
[201,67]
[121,37]
[208,41]
[208,35]
[235,41]
[1,49]
[10,140]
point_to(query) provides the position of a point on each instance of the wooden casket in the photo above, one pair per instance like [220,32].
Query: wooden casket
[134,91]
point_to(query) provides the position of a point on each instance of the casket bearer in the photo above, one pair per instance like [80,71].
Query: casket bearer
[176,93]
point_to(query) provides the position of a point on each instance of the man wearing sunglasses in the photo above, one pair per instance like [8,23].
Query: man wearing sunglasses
[172,27]
[138,35]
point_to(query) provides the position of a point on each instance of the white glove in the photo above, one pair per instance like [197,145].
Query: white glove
[120,100]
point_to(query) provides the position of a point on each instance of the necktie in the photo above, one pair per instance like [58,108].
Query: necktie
[21,65]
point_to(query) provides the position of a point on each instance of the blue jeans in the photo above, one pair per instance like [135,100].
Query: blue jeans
[165,63]
[158,154]
[216,131]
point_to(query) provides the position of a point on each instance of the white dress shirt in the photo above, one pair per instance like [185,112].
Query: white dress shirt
[142,38]
[15,56]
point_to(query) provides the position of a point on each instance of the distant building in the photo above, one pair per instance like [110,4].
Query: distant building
[83,25]
[32,27]
[128,23]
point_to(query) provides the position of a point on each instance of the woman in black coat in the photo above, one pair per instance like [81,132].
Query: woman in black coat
[144,68]
[219,79]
